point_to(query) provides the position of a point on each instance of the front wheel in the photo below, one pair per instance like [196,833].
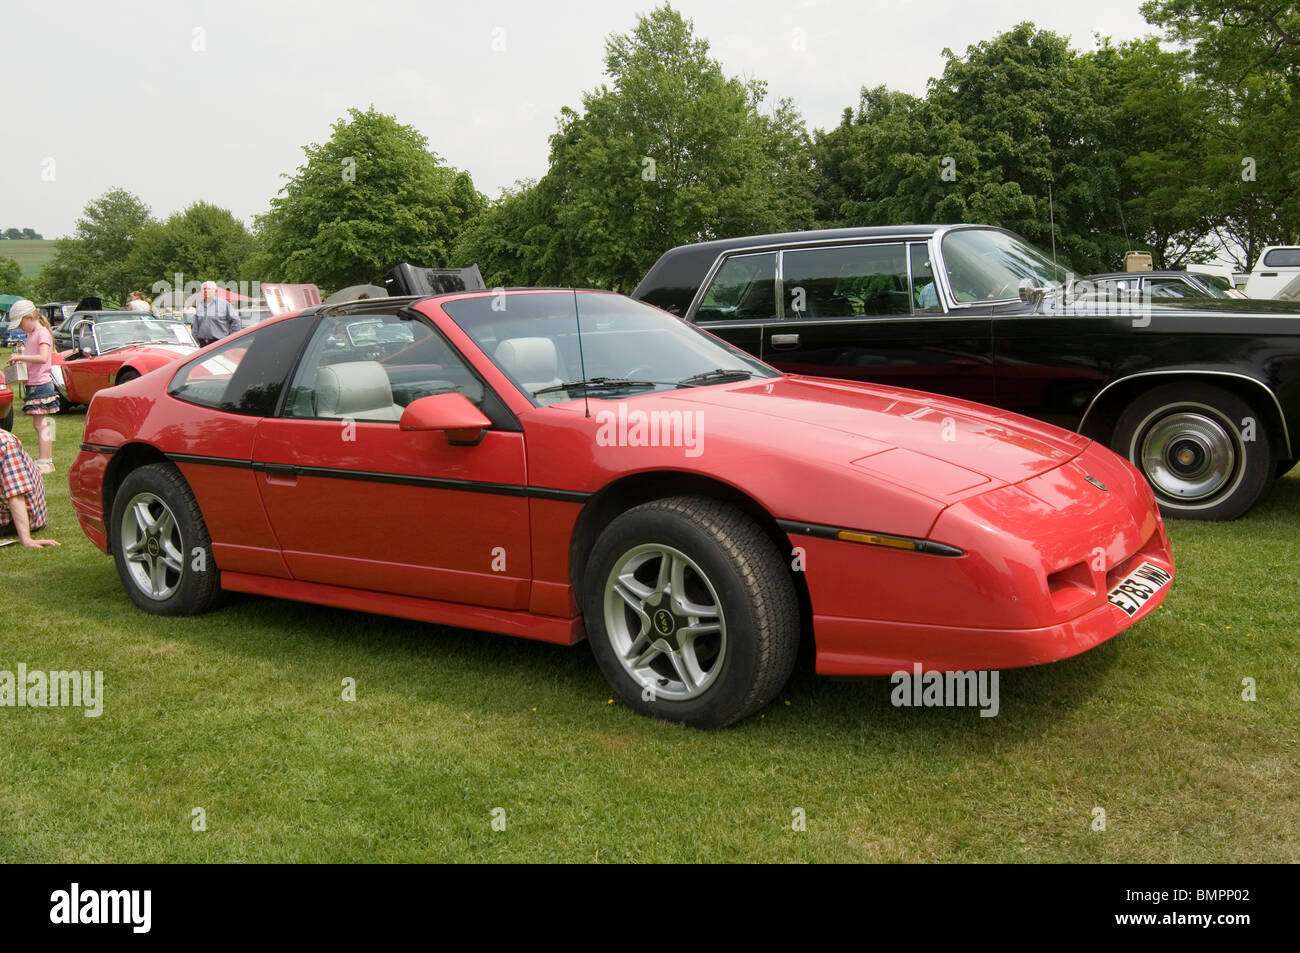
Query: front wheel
[161,544]
[690,611]
[1204,450]
[7,423]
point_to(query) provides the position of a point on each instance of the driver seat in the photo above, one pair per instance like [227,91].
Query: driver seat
[358,389]
[533,362]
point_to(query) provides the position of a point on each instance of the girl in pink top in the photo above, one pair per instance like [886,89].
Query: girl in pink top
[40,399]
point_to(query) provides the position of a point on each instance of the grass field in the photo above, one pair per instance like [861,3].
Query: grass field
[30,254]
[239,712]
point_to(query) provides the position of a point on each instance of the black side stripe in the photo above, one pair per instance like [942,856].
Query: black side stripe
[99,448]
[369,476]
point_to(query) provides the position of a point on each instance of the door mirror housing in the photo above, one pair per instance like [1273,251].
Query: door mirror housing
[464,424]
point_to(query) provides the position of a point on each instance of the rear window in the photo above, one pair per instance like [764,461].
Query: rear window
[1282,258]
[246,374]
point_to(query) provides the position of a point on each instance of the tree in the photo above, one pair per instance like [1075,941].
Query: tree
[373,195]
[202,242]
[13,233]
[670,151]
[32,234]
[11,277]
[95,259]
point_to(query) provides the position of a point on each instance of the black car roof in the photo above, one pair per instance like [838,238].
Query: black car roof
[672,281]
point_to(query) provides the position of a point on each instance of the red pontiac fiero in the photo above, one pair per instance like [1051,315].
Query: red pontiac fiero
[558,464]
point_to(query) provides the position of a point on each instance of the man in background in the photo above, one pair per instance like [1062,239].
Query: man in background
[22,494]
[214,316]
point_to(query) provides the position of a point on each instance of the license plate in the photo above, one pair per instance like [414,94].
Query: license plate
[1137,588]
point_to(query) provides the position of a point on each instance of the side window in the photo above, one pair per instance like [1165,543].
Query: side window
[1171,288]
[925,293]
[369,367]
[846,281]
[246,375]
[743,288]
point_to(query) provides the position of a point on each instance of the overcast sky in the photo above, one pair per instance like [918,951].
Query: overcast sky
[186,100]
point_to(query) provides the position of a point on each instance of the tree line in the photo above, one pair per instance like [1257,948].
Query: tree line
[1182,148]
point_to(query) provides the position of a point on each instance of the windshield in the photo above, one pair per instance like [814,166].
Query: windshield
[987,265]
[626,346]
[117,334]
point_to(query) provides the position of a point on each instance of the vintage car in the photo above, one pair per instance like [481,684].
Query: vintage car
[114,352]
[561,464]
[1202,395]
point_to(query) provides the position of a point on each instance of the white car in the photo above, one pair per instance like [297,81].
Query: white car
[1276,274]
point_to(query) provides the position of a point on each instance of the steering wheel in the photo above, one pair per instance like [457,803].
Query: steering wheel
[1010,286]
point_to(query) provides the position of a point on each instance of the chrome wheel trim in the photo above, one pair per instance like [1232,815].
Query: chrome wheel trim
[1188,456]
[665,623]
[152,547]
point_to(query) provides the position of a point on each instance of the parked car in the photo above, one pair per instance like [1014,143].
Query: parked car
[12,337]
[114,352]
[6,406]
[1202,395]
[554,464]
[56,312]
[1275,274]
[65,336]
[1158,284]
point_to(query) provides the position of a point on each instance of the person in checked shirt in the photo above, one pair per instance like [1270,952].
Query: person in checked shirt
[214,316]
[22,494]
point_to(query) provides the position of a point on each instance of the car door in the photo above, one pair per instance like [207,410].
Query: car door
[357,502]
[740,299]
[871,311]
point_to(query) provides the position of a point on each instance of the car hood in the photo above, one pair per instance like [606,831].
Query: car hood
[938,446]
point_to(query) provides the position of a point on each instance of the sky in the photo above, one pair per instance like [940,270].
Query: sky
[214,99]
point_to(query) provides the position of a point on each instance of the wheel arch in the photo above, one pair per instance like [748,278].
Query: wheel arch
[131,456]
[1108,404]
[635,489]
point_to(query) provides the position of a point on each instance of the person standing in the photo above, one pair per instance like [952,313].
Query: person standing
[138,302]
[22,494]
[214,316]
[39,398]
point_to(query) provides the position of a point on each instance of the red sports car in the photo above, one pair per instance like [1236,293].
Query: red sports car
[6,406]
[114,352]
[557,465]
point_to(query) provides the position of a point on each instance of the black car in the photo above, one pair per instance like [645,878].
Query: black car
[1203,395]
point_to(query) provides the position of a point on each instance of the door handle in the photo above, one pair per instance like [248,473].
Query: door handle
[280,474]
[785,340]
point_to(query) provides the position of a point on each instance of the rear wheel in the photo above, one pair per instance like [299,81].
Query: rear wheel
[1204,450]
[129,374]
[690,611]
[161,544]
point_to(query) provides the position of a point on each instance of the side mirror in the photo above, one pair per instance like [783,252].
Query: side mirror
[464,423]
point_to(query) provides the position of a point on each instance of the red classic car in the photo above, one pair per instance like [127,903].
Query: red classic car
[115,352]
[557,465]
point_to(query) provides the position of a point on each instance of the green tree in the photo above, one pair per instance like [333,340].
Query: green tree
[95,260]
[11,277]
[371,196]
[670,151]
[204,241]
[13,233]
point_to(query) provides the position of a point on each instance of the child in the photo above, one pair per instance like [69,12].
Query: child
[40,399]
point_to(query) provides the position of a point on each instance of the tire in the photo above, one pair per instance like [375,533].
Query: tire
[128,374]
[8,422]
[1190,443]
[729,568]
[161,545]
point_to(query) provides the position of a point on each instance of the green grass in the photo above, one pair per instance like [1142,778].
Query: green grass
[31,254]
[239,712]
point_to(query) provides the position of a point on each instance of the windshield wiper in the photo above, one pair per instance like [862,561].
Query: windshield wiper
[715,376]
[596,383]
